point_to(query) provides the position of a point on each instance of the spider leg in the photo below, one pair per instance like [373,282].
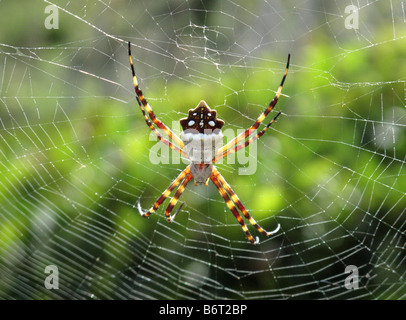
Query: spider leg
[165,194]
[246,142]
[240,206]
[175,198]
[261,118]
[162,139]
[142,102]
[231,206]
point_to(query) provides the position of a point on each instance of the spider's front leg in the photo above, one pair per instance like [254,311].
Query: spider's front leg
[175,199]
[166,193]
[232,207]
[226,192]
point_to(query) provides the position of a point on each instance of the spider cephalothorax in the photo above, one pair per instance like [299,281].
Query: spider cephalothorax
[200,142]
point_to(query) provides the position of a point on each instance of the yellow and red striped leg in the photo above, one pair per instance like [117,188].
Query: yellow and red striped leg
[165,194]
[231,206]
[261,118]
[246,143]
[240,206]
[162,139]
[144,104]
[175,199]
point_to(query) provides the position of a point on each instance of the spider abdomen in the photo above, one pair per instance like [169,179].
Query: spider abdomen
[202,138]
[201,133]
[201,147]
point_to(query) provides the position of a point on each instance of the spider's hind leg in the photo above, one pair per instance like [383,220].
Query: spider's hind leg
[145,107]
[251,130]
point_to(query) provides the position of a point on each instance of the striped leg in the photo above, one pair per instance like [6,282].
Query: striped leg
[261,118]
[162,139]
[175,198]
[144,104]
[240,206]
[246,143]
[165,194]
[232,207]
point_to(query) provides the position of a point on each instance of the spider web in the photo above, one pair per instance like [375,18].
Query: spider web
[75,153]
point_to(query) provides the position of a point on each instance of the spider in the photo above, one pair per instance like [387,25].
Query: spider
[200,142]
